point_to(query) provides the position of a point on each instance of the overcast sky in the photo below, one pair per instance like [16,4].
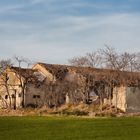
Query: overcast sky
[53,31]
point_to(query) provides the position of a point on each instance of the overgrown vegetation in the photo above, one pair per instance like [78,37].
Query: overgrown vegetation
[74,84]
[80,109]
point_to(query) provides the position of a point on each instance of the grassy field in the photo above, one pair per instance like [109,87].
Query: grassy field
[50,128]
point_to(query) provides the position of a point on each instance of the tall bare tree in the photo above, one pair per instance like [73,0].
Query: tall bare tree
[4,64]
[110,57]
[23,76]
[79,61]
[92,59]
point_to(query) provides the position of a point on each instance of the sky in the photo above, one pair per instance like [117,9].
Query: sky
[53,31]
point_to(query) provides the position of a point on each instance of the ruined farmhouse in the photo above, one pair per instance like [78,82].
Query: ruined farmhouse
[54,85]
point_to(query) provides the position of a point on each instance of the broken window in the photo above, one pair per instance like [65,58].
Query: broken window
[6,96]
[19,95]
[13,96]
[36,96]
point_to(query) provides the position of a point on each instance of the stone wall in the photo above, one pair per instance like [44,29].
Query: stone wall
[13,89]
[119,97]
[34,95]
[127,98]
[133,99]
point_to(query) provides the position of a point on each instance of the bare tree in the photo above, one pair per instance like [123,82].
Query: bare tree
[21,61]
[136,63]
[23,75]
[110,58]
[94,59]
[89,60]
[5,63]
[79,61]
[4,84]
[120,61]
[127,61]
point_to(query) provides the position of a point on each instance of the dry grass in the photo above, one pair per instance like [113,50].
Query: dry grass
[80,109]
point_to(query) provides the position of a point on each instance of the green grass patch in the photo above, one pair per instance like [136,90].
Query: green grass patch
[65,128]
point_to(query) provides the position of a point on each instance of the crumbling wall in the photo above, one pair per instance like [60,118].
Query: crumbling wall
[76,83]
[127,98]
[119,98]
[35,95]
[133,99]
[45,72]
[13,89]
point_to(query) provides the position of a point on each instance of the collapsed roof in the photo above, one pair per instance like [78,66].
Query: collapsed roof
[107,75]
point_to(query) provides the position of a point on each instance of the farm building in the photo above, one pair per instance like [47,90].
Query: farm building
[55,85]
[20,87]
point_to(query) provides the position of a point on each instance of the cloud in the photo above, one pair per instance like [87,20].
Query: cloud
[56,30]
[69,36]
[37,1]
[9,8]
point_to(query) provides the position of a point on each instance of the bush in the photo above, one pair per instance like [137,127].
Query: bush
[80,112]
[74,112]
[105,114]
[31,106]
